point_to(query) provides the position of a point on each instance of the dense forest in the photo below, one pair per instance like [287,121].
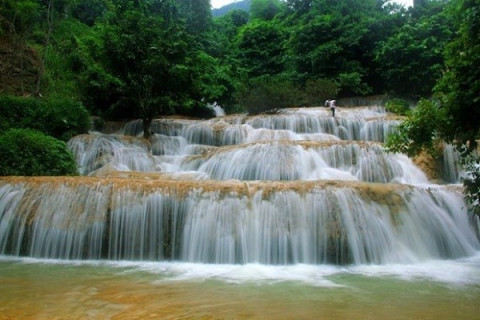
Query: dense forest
[64,61]
[144,58]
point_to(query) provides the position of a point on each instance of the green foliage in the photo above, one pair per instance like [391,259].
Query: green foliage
[64,59]
[88,11]
[198,15]
[319,90]
[134,58]
[19,15]
[411,60]
[146,66]
[335,40]
[31,153]
[215,81]
[351,83]
[265,9]
[299,5]
[420,131]
[454,117]
[261,48]
[60,118]
[471,182]
[224,31]
[268,95]
[146,59]
[459,88]
[398,106]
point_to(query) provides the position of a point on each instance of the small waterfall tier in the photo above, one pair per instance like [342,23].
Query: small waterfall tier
[362,124]
[152,218]
[286,159]
[305,160]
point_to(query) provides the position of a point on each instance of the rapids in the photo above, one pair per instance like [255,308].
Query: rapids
[294,215]
[296,187]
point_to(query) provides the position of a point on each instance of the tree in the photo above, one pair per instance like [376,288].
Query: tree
[198,15]
[335,40]
[261,48]
[151,64]
[411,60]
[88,11]
[453,115]
[459,88]
[18,16]
[459,91]
[265,9]
[268,94]
[299,5]
[17,19]
[421,131]
[136,53]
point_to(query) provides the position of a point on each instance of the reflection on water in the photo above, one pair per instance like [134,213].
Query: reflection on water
[35,289]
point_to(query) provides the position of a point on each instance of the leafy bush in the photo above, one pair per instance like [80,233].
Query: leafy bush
[398,106]
[60,118]
[319,90]
[268,95]
[420,131]
[472,180]
[28,152]
[88,11]
[351,83]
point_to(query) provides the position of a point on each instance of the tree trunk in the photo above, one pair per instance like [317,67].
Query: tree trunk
[41,71]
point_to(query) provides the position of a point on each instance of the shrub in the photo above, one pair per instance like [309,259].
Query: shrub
[398,106]
[420,131]
[471,162]
[319,90]
[28,152]
[268,95]
[60,118]
[351,83]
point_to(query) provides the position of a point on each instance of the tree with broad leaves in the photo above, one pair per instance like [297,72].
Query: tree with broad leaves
[453,115]
[150,60]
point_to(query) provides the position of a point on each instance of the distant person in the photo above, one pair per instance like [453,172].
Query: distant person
[331,104]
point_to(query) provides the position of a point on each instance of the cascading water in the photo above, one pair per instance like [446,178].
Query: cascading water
[233,222]
[266,201]
[293,215]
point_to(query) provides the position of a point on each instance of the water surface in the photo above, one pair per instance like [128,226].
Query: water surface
[54,289]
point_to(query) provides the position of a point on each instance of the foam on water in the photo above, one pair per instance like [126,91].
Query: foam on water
[464,271]
[460,272]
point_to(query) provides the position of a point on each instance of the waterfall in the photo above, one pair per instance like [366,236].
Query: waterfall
[362,124]
[217,109]
[305,160]
[451,164]
[53,219]
[232,221]
[299,186]
[95,151]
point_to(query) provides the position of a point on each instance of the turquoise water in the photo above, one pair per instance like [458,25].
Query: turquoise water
[55,289]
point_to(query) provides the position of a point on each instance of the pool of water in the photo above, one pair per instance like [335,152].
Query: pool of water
[53,289]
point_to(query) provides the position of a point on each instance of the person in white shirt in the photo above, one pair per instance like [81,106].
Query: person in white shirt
[331,105]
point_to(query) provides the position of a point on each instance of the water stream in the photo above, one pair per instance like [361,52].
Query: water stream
[293,215]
